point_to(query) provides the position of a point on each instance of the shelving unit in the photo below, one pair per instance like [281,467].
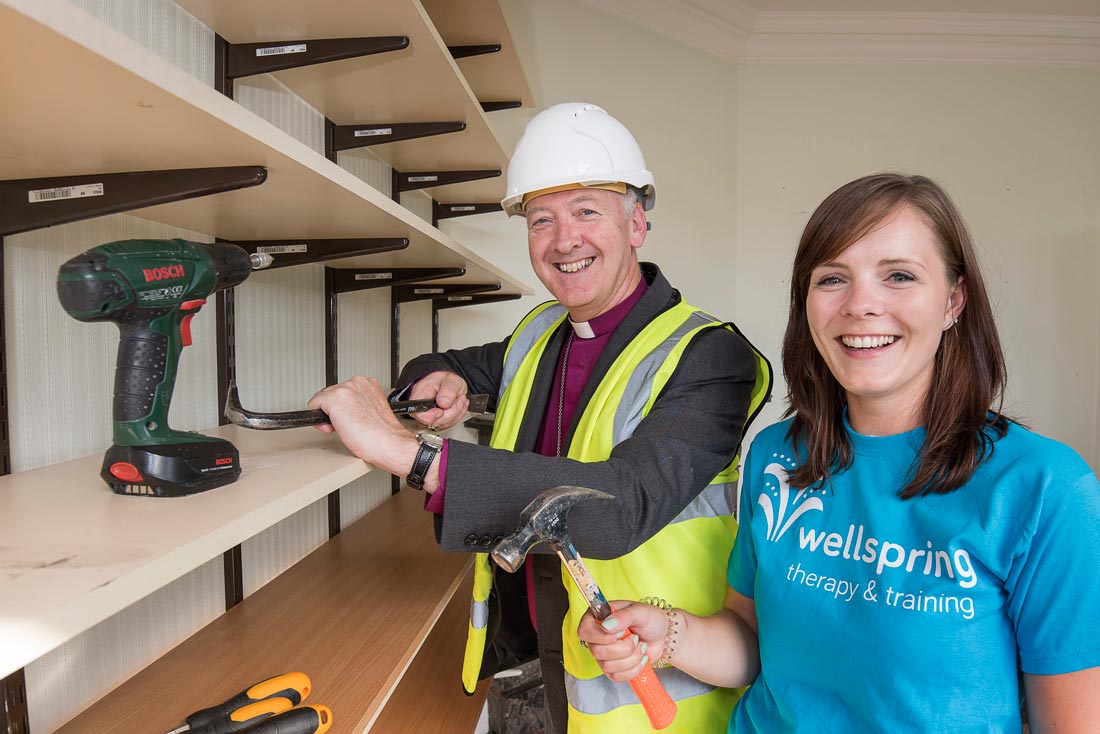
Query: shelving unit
[419,84]
[114,106]
[87,100]
[375,591]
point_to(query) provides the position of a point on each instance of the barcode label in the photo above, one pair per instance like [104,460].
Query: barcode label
[426,291]
[298,48]
[463,208]
[373,131]
[282,249]
[373,276]
[422,179]
[460,298]
[64,192]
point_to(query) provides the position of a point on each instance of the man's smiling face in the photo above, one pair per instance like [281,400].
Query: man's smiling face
[583,248]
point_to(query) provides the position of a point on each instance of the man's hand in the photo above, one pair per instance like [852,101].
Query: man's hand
[362,417]
[449,392]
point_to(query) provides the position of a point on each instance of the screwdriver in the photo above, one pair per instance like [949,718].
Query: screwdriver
[292,687]
[315,719]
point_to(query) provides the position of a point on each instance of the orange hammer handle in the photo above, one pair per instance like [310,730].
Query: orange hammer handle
[659,707]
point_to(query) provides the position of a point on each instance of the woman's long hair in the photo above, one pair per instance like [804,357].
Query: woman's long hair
[969,372]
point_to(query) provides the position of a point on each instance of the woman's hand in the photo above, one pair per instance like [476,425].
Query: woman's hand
[624,643]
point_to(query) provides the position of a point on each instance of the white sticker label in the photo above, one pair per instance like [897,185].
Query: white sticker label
[463,208]
[373,131]
[460,298]
[64,192]
[282,249]
[426,291]
[373,276]
[298,48]
[422,179]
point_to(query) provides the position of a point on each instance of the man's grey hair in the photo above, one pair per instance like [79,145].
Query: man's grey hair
[630,198]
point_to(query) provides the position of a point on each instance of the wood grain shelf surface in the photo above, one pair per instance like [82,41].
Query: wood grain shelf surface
[429,699]
[352,615]
[72,552]
[114,106]
[421,83]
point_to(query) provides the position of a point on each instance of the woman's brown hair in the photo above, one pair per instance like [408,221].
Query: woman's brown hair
[969,371]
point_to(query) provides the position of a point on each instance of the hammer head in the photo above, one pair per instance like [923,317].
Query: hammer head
[543,520]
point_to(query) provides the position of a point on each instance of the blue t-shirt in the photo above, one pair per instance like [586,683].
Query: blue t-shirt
[882,615]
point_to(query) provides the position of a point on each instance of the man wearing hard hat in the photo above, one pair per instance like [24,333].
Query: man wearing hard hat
[617,385]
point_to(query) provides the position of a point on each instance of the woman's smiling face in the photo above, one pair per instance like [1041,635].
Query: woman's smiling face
[877,312]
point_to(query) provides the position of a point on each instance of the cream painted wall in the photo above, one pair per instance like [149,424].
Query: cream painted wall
[1017,149]
[742,155]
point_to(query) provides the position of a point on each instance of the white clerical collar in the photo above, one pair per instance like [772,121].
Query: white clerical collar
[582,329]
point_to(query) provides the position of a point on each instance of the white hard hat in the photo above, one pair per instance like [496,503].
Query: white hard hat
[575,144]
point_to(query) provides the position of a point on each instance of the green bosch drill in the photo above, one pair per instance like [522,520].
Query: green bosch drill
[152,289]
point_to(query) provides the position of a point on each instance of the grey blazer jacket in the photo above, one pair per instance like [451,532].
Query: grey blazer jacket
[691,433]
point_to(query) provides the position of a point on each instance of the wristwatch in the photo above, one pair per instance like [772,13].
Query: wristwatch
[430,445]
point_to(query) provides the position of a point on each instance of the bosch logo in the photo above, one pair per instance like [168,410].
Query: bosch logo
[163,273]
[227,461]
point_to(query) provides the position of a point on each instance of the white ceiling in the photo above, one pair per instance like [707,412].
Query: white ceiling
[1014,32]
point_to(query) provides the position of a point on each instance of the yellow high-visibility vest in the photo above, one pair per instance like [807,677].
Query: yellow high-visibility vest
[685,563]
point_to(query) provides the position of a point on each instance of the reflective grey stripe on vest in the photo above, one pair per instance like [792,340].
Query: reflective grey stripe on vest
[715,501]
[599,695]
[630,411]
[479,614]
[522,343]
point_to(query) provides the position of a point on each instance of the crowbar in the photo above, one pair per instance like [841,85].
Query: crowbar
[240,416]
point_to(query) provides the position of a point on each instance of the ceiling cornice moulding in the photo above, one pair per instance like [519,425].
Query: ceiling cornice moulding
[733,30]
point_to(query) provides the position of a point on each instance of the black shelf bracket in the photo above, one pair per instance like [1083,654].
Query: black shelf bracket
[464,52]
[423,292]
[249,59]
[450,211]
[32,203]
[14,717]
[233,572]
[503,105]
[404,181]
[349,137]
[346,280]
[331,378]
[458,301]
[302,251]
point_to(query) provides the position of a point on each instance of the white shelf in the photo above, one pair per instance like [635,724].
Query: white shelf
[496,77]
[85,99]
[418,84]
[73,552]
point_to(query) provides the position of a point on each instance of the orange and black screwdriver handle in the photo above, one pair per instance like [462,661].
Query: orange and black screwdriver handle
[292,686]
[314,719]
[245,717]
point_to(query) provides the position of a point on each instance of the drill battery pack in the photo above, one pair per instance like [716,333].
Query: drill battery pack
[171,470]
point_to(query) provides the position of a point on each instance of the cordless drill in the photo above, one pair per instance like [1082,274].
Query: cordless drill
[152,289]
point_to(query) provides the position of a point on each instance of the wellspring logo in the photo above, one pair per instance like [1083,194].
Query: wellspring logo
[782,507]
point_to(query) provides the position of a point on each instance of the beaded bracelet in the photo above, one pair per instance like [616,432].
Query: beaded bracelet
[671,631]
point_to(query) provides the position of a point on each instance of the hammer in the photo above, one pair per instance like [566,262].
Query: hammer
[545,520]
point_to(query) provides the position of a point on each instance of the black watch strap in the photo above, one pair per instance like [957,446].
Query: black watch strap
[430,445]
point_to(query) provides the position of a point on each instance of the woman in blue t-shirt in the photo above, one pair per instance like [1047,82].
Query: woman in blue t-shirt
[909,560]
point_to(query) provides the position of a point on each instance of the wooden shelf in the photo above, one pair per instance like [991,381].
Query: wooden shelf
[351,615]
[74,553]
[419,84]
[430,699]
[493,77]
[114,106]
